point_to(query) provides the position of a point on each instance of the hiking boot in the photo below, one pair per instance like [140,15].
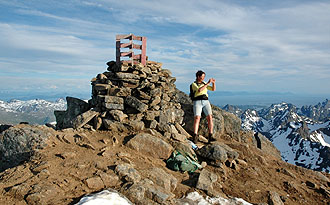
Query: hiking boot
[210,138]
[195,138]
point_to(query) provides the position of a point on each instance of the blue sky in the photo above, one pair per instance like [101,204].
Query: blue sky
[255,46]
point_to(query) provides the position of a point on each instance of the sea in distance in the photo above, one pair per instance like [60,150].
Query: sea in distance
[222,98]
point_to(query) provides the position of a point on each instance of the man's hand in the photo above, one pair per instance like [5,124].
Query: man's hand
[211,80]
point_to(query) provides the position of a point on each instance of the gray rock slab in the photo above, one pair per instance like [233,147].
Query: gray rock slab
[122,75]
[95,183]
[163,179]
[128,173]
[83,118]
[113,106]
[206,180]
[113,125]
[110,99]
[136,125]
[181,130]
[136,103]
[150,145]
[101,87]
[75,107]
[118,115]
[122,92]
[213,152]
[274,198]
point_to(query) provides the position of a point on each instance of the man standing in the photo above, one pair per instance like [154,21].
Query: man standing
[201,103]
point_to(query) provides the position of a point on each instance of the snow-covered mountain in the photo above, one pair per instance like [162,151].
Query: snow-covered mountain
[33,111]
[319,112]
[301,140]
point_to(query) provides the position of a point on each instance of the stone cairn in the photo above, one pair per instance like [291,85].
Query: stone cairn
[136,96]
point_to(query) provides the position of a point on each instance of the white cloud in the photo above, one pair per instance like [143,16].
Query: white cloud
[18,83]
[273,46]
[24,49]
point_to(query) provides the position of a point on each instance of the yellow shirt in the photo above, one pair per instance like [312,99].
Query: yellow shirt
[196,86]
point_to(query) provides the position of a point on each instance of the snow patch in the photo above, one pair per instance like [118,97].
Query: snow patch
[112,197]
[104,197]
[196,198]
[320,139]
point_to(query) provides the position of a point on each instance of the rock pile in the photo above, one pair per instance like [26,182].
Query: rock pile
[134,96]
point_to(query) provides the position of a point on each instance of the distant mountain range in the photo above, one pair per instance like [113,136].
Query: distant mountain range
[301,134]
[32,111]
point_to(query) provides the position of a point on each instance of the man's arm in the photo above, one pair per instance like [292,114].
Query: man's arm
[212,80]
[213,84]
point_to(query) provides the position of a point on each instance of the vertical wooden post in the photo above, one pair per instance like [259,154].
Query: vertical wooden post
[144,51]
[131,47]
[117,51]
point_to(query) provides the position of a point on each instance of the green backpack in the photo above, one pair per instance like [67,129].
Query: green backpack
[179,162]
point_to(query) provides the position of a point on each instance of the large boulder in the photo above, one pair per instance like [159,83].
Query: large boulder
[18,143]
[213,152]
[150,145]
[75,107]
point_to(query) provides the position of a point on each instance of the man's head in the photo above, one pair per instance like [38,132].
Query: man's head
[200,75]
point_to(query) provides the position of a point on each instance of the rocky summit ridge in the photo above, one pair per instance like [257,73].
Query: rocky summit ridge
[121,138]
